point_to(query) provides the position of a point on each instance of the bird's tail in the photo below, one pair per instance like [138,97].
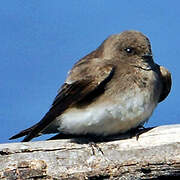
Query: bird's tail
[22,133]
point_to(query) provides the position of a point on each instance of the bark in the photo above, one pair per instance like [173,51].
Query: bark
[155,155]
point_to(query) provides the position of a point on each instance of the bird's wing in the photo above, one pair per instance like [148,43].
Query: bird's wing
[166,81]
[90,83]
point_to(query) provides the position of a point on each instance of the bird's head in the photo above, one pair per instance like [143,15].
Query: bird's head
[130,47]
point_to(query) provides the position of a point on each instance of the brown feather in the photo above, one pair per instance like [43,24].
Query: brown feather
[166,81]
[71,94]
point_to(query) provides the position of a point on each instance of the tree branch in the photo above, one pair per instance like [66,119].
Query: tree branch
[156,154]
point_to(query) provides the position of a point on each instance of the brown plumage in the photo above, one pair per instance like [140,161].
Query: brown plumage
[121,73]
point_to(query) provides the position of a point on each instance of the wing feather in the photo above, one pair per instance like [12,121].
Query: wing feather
[167,82]
[71,94]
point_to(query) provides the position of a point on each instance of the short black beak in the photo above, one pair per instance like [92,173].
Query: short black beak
[147,57]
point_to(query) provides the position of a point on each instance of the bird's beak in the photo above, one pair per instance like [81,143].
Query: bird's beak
[147,57]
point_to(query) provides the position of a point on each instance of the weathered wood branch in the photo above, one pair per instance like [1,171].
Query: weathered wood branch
[156,154]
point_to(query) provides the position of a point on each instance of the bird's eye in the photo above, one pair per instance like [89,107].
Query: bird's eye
[129,50]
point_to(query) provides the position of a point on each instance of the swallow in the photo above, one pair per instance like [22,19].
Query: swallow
[112,90]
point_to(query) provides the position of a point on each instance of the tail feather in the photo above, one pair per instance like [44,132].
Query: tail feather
[22,133]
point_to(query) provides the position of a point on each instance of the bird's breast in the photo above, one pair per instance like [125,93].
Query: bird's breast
[108,118]
[113,113]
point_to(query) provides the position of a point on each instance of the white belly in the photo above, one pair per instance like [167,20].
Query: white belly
[106,118]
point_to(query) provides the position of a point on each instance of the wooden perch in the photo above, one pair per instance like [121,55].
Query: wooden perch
[156,154]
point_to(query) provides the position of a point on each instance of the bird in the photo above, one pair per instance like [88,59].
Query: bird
[112,90]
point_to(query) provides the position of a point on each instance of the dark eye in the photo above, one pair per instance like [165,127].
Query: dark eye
[129,50]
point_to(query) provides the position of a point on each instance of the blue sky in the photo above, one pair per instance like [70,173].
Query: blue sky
[41,40]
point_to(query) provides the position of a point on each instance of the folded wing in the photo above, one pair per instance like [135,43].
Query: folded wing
[86,85]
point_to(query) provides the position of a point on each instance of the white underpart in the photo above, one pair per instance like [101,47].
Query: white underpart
[106,118]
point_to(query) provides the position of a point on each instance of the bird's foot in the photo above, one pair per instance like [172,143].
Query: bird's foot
[94,146]
[137,132]
[140,130]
